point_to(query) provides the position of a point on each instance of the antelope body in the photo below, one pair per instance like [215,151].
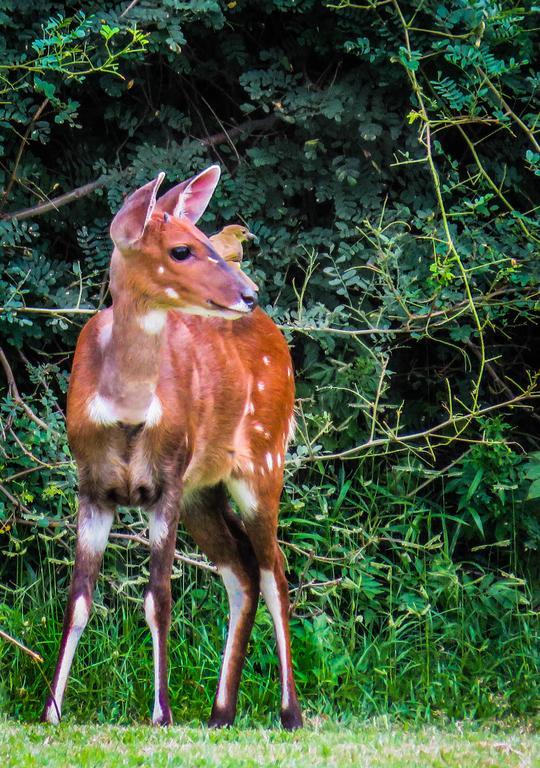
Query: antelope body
[173,412]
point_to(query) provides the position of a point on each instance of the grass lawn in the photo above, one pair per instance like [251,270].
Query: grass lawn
[319,744]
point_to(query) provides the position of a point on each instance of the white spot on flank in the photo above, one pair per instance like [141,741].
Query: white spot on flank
[101,410]
[157,529]
[150,615]
[269,461]
[237,601]
[289,373]
[154,412]
[94,529]
[161,270]
[243,495]
[250,466]
[171,293]
[258,427]
[279,459]
[270,593]
[266,360]
[260,386]
[153,322]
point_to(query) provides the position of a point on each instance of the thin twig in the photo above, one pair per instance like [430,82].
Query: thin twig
[12,386]
[452,421]
[86,189]
[124,536]
[22,145]
[508,109]
[20,645]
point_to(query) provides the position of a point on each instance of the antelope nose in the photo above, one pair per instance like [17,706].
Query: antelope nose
[249,297]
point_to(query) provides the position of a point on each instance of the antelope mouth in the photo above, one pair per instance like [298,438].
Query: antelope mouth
[240,308]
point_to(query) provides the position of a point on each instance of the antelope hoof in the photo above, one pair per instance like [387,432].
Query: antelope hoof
[221,718]
[50,714]
[291,719]
[163,719]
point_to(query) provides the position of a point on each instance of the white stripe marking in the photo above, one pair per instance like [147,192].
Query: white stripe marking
[243,495]
[154,412]
[94,529]
[237,601]
[150,615]
[157,529]
[78,623]
[270,593]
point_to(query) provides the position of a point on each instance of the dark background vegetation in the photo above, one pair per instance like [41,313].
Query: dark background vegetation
[385,155]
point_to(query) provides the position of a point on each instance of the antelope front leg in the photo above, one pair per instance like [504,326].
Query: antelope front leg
[157,602]
[94,524]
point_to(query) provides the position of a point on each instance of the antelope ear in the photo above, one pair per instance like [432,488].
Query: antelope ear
[129,224]
[190,198]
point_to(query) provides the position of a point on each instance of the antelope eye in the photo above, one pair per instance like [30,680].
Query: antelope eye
[180,253]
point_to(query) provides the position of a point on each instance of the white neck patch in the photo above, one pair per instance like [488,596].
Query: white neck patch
[153,322]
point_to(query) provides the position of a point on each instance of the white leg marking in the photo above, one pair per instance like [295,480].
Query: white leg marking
[154,412]
[154,321]
[94,530]
[237,600]
[243,495]
[150,615]
[78,623]
[172,293]
[271,597]
[157,529]
[269,461]
[101,410]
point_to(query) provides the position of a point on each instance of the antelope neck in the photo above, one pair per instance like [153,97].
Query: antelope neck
[132,359]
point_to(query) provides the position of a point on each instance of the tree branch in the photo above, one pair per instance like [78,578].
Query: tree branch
[12,386]
[76,194]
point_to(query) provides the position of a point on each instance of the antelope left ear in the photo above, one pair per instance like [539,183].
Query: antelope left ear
[129,224]
[190,198]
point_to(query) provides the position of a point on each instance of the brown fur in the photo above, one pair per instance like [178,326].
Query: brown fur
[225,392]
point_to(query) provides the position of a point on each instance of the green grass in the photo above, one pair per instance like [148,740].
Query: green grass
[366,744]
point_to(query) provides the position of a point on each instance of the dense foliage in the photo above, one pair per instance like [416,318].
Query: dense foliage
[385,155]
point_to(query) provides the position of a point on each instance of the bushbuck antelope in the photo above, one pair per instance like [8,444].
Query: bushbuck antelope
[181,393]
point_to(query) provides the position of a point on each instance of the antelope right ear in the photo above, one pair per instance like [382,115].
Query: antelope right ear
[129,224]
[190,198]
